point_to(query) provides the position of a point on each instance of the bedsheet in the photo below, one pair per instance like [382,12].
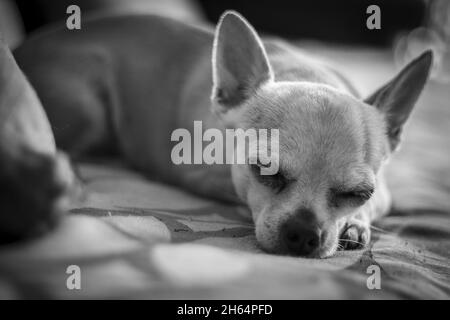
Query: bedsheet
[134,238]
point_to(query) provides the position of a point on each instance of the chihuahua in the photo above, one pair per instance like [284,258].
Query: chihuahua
[125,83]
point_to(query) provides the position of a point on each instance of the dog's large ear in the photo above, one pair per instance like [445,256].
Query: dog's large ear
[396,99]
[240,63]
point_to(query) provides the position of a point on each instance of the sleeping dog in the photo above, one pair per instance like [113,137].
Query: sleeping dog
[124,83]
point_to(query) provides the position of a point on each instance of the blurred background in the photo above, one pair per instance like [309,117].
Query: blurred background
[407,26]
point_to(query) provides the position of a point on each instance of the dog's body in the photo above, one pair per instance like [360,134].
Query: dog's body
[126,83]
[131,81]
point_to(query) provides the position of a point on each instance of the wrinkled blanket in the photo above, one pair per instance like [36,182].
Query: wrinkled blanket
[133,238]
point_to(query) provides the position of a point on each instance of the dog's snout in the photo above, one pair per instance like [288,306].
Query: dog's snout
[300,238]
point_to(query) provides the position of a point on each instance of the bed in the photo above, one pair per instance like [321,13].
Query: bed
[133,238]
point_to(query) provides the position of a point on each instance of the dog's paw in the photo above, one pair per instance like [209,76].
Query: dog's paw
[34,192]
[355,235]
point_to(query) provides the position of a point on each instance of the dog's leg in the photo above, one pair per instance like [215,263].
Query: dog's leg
[77,117]
[355,230]
[34,177]
[34,191]
[77,99]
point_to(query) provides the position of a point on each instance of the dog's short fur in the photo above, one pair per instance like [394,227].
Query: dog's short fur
[125,83]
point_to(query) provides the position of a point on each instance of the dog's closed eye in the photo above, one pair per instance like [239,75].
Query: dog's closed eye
[352,197]
[277,182]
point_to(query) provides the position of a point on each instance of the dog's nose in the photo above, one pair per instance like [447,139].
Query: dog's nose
[299,237]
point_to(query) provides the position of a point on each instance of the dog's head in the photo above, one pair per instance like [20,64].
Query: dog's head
[331,144]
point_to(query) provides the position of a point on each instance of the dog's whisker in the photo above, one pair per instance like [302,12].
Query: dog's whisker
[379,229]
[349,240]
